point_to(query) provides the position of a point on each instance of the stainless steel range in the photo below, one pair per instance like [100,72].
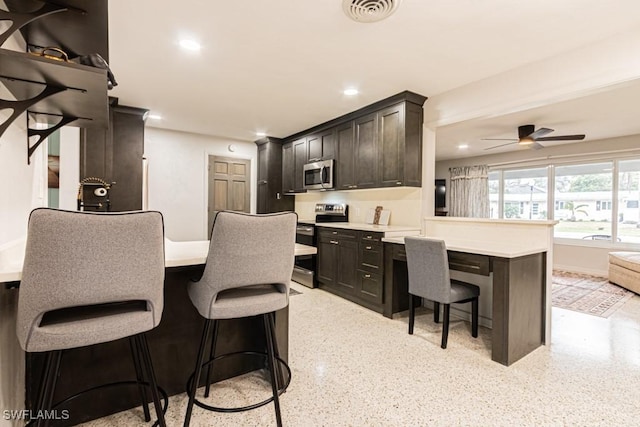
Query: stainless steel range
[305,266]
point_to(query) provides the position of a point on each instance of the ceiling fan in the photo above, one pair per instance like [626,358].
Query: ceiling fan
[529,137]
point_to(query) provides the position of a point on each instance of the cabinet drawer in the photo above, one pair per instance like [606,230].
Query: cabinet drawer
[369,236]
[399,253]
[371,256]
[470,263]
[336,233]
[369,286]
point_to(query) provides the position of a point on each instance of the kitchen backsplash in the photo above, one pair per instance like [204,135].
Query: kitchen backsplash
[405,204]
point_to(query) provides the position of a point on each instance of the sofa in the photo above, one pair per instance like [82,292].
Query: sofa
[624,270]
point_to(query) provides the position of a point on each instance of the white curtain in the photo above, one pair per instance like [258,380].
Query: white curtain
[470,191]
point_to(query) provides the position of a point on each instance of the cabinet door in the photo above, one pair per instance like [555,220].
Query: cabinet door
[369,286]
[391,146]
[314,148]
[288,168]
[346,273]
[263,174]
[300,157]
[345,165]
[327,256]
[366,153]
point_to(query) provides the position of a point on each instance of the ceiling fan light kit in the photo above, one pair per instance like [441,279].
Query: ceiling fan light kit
[367,11]
[529,137]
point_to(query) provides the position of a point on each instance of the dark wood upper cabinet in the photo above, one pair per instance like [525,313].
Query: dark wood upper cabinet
[321,146]
[288,168]
[270,197]
[377,146]
[345,161]
[366,151]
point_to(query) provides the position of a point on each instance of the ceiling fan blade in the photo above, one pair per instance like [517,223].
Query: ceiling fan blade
[499,139]
[501,145]
[536,146]
[540,133]
[562,138]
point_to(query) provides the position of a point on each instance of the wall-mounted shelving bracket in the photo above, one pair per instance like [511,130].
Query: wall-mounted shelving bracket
[43,134]
[19,20]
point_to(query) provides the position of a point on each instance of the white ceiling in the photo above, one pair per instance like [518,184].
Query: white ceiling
[280,66]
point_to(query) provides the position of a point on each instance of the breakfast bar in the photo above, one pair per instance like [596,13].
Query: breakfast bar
[173,343]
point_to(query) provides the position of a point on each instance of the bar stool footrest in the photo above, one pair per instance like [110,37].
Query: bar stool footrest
[281,390]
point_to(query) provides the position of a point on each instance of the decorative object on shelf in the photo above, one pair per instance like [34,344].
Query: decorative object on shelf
[95,60]
[376,217]
[95,190]
[54,53]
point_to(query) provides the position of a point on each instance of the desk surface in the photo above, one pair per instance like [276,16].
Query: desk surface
[176,254]
[498,249]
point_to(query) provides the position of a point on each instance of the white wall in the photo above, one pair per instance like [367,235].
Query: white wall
[177,178]
[583,257]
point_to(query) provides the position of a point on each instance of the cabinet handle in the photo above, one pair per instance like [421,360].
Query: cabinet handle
[366,276]
[334,232]
[353,186]
[333,242]
[399,183]
[369,237]
[368,248]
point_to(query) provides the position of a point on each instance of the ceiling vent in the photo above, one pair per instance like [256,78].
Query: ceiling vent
[369,10]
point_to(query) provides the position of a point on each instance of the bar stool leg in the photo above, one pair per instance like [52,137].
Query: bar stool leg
[146,356]
[212,354]
[56,356]
[436,312]
[270,335]
[474,317]
[412,313]
[445,325]
[196,376]
[279,372]
[135,355]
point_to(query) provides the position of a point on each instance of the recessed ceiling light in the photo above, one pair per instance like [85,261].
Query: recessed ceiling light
[350,92]
[463,146]
[261,134]
[155,116]
[190,44]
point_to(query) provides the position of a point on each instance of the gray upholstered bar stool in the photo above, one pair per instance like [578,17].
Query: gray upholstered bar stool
[90,278]
[428,266]
[248,272]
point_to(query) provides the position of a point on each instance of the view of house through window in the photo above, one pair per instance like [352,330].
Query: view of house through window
[583,195]
[586,199]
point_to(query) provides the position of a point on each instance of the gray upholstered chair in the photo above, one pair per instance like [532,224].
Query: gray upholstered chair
[428,267]
[90,278]
[247,273]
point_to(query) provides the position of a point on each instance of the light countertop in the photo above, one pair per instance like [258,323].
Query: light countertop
[176,254]
[389,230]
[498,249]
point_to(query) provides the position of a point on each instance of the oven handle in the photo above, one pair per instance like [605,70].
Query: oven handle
[304,231]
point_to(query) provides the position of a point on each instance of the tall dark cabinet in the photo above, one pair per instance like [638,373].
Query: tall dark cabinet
[270,196]
[115,155]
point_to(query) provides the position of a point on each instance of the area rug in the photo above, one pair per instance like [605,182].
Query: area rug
[587,294]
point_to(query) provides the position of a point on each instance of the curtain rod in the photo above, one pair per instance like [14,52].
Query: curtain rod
[572,157]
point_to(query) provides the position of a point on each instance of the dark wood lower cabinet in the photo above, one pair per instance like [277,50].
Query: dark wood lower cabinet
[173,347]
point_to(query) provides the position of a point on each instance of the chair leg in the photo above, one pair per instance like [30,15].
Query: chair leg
[212,353]
[270,336]
[44,382]
[146,357]
[474,317]
[56,356]
[436,312]
[198,370]
[279,372]
[445,326]
[142,390]
[412,313]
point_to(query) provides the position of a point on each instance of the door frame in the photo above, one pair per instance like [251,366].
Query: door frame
[252,189]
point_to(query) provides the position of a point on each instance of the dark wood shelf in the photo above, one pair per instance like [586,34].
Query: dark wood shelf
[85,97]
[81,30]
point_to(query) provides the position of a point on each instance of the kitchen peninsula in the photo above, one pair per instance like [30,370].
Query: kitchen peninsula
[173,343]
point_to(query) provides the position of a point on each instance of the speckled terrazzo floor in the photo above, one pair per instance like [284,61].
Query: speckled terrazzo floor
[353,367]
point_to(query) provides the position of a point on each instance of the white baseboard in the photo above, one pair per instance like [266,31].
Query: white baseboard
[574,269]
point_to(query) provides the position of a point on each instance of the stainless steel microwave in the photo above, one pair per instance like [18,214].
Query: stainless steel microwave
[319,175]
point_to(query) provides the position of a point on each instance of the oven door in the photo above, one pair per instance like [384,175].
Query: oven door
[305,265]
[318,175]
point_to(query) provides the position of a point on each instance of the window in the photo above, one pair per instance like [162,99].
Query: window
[586,192]
[524,189]
[494,194]
[628,197]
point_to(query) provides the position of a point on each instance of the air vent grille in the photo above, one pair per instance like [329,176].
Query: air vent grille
[369,10]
